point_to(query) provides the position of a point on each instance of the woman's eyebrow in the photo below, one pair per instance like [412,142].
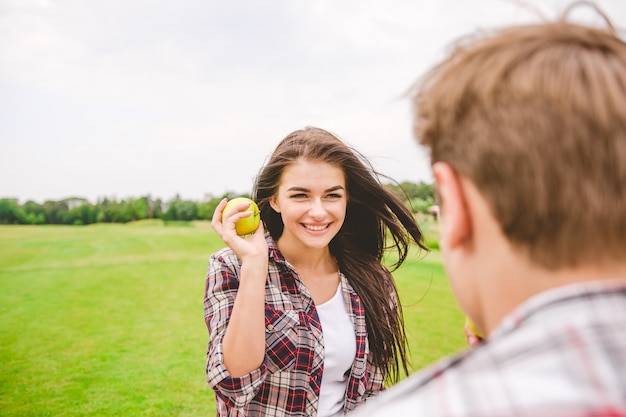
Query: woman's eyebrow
[335,188]
[296,188]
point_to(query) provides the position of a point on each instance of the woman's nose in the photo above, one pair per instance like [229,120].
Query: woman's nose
[317,210]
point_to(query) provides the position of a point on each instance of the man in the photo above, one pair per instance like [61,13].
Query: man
[527,133]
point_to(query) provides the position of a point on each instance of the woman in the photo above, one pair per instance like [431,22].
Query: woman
[305,320]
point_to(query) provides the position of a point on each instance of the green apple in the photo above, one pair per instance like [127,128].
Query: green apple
[472,327]
[248,224]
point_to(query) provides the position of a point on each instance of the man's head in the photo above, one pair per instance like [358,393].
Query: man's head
[535,118]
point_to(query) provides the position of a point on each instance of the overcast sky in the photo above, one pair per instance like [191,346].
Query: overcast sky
[123,98]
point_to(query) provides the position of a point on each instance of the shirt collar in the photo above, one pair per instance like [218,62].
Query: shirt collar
[273,251]
[553,298]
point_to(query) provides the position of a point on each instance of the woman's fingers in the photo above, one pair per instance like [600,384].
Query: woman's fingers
[216,221]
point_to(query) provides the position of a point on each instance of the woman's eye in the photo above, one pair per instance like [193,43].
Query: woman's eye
[299,196]
[334,196]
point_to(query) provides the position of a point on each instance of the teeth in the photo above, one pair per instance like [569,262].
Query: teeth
[315,228]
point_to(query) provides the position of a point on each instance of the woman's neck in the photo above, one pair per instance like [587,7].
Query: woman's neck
[307,259]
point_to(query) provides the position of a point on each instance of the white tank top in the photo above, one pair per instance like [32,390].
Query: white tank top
[340,350]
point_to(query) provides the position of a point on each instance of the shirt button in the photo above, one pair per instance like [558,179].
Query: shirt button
[270,327]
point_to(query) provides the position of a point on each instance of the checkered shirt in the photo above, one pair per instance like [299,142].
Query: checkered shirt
[561,354]
[288,381]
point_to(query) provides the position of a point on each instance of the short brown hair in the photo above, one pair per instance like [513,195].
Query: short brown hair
[535,117]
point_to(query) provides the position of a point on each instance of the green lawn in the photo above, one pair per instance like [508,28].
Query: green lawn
[106,320]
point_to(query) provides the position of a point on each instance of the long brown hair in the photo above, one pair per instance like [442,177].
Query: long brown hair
[373,213]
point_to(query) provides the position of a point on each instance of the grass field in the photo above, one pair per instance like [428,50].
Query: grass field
[107,320]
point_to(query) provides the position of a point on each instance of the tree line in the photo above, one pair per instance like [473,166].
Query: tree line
[79,211]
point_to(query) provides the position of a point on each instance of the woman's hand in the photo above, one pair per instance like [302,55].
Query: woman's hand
[249,247]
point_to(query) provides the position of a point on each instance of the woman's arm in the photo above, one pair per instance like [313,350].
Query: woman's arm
[244,341]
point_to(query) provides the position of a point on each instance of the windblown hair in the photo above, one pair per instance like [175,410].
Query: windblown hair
[373,212]
[535,117]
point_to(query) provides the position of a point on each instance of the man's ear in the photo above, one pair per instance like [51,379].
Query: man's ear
[456,223]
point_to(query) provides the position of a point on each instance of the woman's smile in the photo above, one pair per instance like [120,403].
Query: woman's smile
[316,227]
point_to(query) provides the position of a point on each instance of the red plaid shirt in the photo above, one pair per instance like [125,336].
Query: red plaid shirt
[562,353]
[288,381]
